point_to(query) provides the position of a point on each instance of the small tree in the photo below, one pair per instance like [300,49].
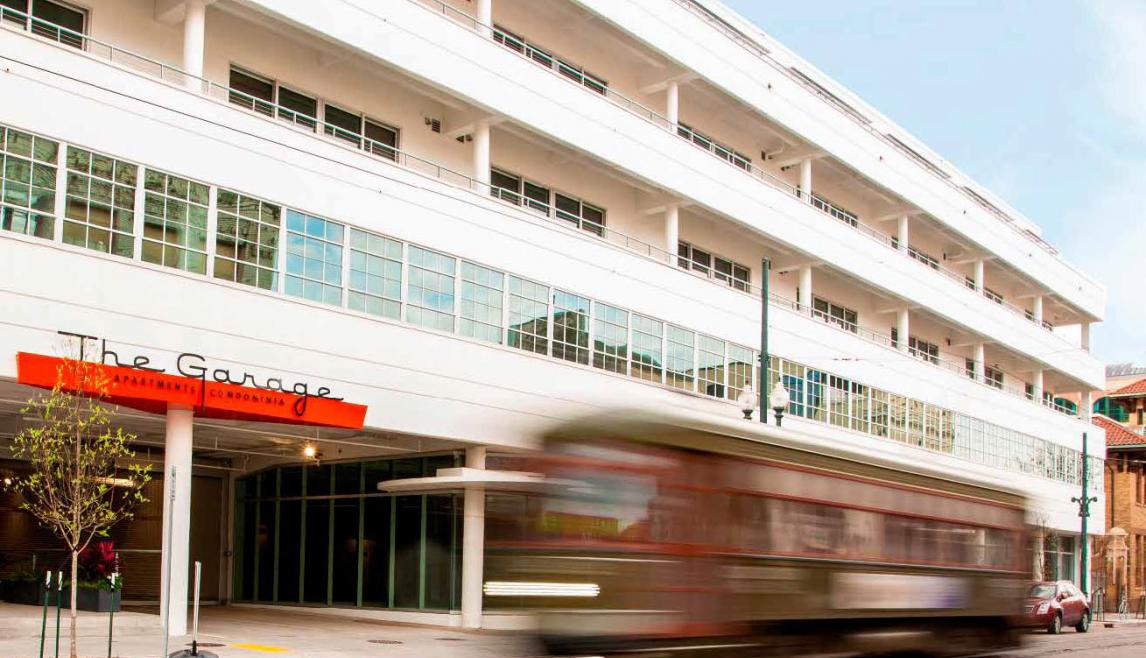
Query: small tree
[83,478]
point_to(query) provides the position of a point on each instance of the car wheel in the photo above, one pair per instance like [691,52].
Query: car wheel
[1084,623]
[1056,624]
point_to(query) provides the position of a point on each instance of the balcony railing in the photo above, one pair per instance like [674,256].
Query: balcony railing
[716,151]
[763,55]
[337,136]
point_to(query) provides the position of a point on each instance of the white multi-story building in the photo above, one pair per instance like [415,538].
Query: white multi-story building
[481,218]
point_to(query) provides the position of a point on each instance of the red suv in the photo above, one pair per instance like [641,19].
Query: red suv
[1052,605]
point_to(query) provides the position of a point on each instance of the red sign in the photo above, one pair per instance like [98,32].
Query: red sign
[149,390]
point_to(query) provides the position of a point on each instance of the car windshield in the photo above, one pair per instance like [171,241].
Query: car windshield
[1041,591]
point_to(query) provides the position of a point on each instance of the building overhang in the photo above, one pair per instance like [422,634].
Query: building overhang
[463,478]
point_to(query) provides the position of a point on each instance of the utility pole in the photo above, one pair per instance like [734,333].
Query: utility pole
[765,380]
[1084,513]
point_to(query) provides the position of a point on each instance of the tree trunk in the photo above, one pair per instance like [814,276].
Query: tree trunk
[75,588]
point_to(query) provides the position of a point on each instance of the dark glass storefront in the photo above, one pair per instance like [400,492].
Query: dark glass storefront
[324,535]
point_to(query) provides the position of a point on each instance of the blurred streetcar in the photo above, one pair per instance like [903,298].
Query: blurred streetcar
[688,539]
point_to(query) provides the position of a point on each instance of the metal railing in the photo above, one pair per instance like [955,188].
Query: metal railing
[341,137]
[761,53]
[701,142]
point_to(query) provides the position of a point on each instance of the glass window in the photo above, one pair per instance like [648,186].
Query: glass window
[48,18]
[342,124]
[922,349]
[316,564]
[175,222]
[610,337]
[536,197]
[993,377]
[27,183]
[681,361]
[710,365]
[314,258]
[297,108]
[740,366]
[265,588]
[481,302]
[376,549]
[100,211]
[344,556]
[647,350]
[842,317]
[382,140]
[252,92]
[375,274]
[430,290]
[443,559]
[570,327]
[579,213]
[290,550]
[528,315]
[407,551]
[247,240]
[506,187]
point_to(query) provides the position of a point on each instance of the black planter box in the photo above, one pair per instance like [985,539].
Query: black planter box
[90,600]
[16,591]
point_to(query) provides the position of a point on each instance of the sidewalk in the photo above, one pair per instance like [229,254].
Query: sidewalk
[243,632]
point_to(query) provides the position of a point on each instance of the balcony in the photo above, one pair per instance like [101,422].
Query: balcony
[387,155]
[742,163]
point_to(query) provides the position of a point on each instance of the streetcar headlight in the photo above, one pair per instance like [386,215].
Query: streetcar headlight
[584,590]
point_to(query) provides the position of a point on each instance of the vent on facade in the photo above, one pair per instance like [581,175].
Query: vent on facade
[434,124]
[918,157]
[828,96]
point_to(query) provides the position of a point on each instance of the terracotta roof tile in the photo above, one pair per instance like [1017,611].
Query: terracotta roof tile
[1136,388]
[1116,434]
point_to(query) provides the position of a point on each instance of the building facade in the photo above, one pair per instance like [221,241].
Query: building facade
[481,219]
[1119,412]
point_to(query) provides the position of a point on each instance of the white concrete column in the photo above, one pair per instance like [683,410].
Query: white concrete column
[1084,336]
[806,180]
[485,17]
[903,328]
[672,231]
[903,234]
[980,272]
[177,512]
[473,544]
[1085,405]
[805,286]
[481,155]
[980,362]
[672,102]
[194,38]
[1037,385]
[1037,309]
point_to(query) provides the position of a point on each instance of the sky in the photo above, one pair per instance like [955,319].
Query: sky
[1041,101]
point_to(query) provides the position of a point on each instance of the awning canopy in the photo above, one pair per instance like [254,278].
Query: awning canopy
[461,478]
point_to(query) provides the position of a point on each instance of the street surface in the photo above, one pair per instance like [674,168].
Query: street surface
[1122,641]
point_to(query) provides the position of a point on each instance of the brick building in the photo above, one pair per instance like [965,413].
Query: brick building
[1125,488]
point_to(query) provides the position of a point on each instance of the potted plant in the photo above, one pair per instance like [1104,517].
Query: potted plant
[24,587]
[95,592]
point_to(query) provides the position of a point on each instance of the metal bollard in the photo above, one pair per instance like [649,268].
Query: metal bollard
[59,602]
[44,620]
[194,651]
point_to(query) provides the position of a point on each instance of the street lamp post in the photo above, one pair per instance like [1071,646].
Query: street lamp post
[765,269]
[1084,513]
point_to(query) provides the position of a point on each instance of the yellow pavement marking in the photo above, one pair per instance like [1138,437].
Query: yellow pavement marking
[259,647]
